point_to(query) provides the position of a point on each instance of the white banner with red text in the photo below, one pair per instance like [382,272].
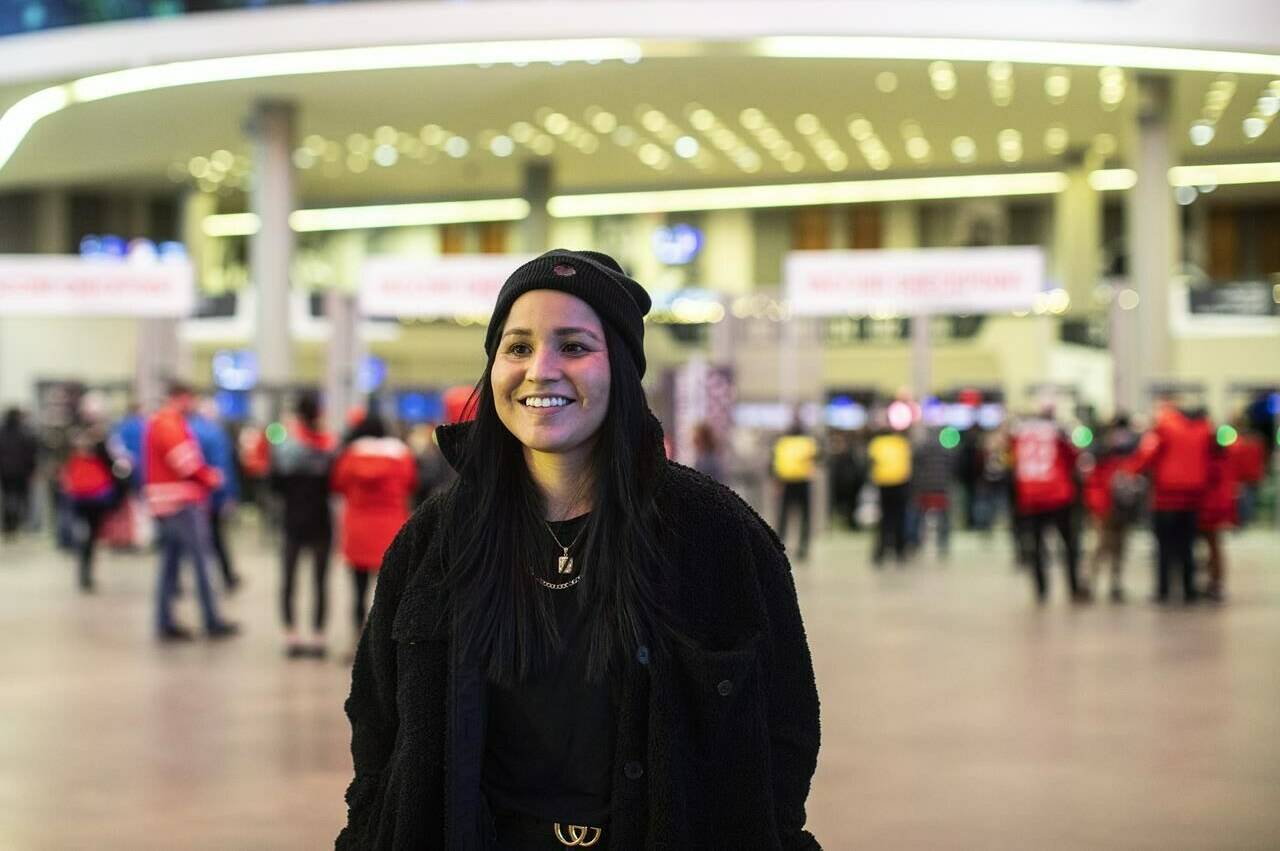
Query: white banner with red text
[913,282]
[68,285]
[434,287]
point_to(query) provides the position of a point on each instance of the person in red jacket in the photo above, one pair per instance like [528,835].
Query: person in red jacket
[1178,454]
[92,480]
[1044,464]
[1248,456]
[1112,503]
[1217,513]
[376,474]
[178,484]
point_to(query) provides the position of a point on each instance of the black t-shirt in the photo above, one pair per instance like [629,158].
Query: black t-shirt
[550,740]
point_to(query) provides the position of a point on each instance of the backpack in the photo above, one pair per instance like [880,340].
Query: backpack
[1128,496]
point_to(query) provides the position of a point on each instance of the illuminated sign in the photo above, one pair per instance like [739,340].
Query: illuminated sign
[677,245]
[67,285]
[235,369]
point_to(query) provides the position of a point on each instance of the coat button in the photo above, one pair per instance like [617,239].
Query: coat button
[725,688]
[642,655]
[633,770]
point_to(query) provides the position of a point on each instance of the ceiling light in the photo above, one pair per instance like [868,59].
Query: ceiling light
[1222,175]
[198,166]
[1000,71]
[702,119]
[358,143]
[588,143]
[522,132]
[653,120]
[457,147]
[542,145]
[604,122]
[838,161]
[686,147]
[386,135]
[431,134]
[357,163]
[502,146]
[408,215]
[1201,133]
[794,162]
[1009,145]
[1268,104]
[942,76]
[807,124]
[1113,179]
[887,82]
[385,155]
[624,136]
[859,128]
[222,159]
[918,148]
[1253,127]
[1056,139]
[807,194]
[964,149]
[1185,195]
[556,123]
[1105,145]
[650,154]
[1057,84]
[751,118]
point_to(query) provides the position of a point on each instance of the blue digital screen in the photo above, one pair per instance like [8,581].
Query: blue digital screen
[419,407]
[233,405]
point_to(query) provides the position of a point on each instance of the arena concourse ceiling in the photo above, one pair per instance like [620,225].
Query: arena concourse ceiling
[677,115]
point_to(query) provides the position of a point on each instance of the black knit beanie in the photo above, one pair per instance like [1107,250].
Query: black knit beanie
[593,277]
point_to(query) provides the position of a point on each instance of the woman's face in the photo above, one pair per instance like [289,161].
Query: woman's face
[550,376]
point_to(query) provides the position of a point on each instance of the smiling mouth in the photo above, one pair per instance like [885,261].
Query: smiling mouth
[546,403]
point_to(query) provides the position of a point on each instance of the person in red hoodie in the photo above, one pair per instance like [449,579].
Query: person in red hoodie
[178,484]
[1178,454]
[1112,502]
[1248,455]
[1044,464]
[376,474]
[1217,513]
[92,479]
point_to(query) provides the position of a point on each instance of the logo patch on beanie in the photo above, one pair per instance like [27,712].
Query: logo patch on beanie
[564,271]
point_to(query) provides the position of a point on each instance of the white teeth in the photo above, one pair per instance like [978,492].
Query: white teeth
[545,402]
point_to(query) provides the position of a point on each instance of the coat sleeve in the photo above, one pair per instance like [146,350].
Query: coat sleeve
[371,706]
[792,691]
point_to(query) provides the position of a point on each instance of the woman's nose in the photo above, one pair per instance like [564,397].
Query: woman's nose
[544,365]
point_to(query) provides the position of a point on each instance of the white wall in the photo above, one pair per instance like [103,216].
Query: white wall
[90,350]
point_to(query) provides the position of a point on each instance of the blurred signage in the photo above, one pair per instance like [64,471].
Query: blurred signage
[235,369]
[60,285]
[436,287]
[371,373]
[1241,298]
[913,283]
[677,245]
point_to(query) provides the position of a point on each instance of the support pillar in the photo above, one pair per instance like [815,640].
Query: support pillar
[902,231]
[535,231]
[1152,238]
[271,132]
[1077,233]
[53,222]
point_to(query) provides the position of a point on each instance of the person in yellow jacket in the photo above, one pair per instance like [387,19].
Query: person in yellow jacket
[795,456]
[890,454]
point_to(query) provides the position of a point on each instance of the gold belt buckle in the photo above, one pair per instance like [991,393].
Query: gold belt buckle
[580,836]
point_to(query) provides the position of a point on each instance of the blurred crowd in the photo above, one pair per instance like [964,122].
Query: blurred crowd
[173,480]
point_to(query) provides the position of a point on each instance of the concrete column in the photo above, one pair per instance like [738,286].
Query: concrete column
[728,256]
[1152,238]
[1077,233]
[344,351]
[53,223]
[271,132]
[536,230]
[901,223]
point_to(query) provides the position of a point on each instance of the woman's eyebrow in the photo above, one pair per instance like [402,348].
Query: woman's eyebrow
[559,332]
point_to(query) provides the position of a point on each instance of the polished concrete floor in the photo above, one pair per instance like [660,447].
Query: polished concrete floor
[956,714]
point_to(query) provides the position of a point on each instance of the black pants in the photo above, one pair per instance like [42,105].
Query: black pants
[15,503]
[795,495]
[517,832]
[220,551]
[1062,520]
[319,544]
[893,522]
[1175,539]
[90,516]
[360,579]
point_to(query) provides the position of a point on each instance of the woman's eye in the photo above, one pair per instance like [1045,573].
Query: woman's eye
[575,348]
[519,349]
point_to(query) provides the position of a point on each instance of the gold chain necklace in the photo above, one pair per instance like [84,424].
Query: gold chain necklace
[563,563]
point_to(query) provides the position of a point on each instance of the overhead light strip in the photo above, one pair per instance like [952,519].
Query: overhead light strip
[805,194]
[1010,50]
[379,216]
[1224,175]
[18,120]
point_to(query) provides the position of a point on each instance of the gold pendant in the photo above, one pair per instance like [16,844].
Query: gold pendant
[565,565]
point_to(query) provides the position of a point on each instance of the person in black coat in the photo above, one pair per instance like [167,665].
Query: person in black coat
[18,450]
[579,643]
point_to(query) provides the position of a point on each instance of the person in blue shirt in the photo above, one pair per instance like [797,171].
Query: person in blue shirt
[129,433]
[215,445]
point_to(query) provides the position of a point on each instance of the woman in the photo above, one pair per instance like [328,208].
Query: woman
[92,480]
[376,474]
[579,644]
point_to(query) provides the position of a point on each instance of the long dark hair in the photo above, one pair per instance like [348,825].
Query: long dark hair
[495,533]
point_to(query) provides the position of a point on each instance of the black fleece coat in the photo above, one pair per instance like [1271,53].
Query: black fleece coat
[717,738]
